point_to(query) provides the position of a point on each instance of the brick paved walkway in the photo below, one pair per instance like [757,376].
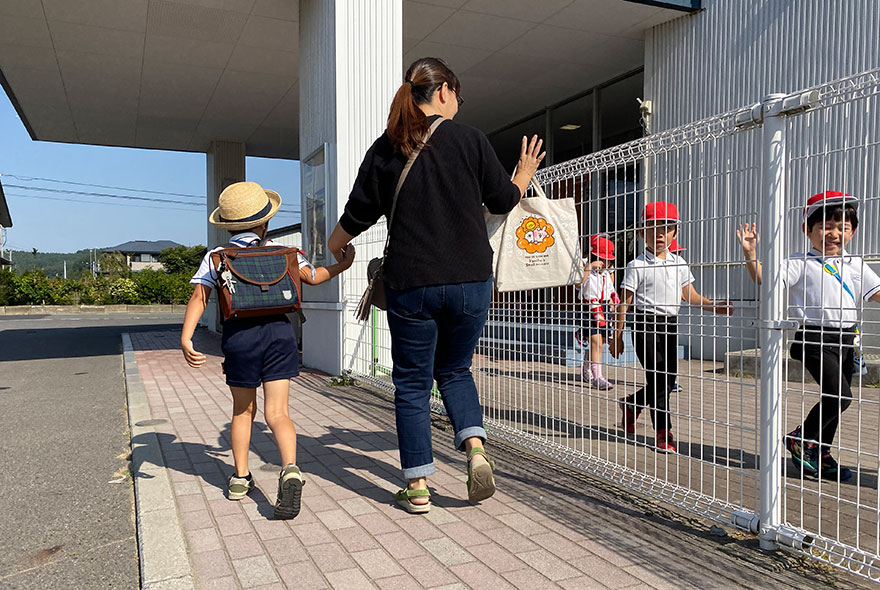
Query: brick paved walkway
[545,528]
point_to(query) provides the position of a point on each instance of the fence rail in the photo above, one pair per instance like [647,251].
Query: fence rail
[740,390]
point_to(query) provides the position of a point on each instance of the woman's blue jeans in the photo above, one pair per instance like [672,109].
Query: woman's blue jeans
[434,331]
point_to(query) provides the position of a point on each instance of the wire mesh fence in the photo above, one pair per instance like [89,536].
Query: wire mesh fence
[688,374]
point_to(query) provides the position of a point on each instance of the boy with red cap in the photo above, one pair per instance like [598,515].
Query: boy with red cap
[825,288]
[597,291]
[656,281]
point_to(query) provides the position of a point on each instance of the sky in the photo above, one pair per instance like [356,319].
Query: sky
[52,221]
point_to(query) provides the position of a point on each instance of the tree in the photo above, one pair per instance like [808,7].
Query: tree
[182,259]
[113,264]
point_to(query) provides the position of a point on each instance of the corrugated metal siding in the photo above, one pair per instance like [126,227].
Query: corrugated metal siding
[735,52]
[368,66]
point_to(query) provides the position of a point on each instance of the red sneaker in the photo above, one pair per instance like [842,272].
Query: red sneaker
[629,417]
[665,442]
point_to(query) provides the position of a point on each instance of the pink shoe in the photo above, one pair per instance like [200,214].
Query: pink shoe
[602,383]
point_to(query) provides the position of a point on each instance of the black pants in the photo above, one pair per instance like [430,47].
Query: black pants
[827,353]
[656,343]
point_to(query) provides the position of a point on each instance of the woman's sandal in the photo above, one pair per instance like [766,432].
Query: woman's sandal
[481,482]
[404,500]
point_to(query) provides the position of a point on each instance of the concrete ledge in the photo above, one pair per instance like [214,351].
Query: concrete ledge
[163,559]
[73,309]
[748,364]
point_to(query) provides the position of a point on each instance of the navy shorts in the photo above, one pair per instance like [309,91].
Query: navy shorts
[258,350]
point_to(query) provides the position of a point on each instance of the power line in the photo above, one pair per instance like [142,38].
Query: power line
[116,188]
[112,196]
[114,204]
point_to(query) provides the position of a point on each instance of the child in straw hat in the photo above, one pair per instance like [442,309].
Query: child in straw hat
[261,350]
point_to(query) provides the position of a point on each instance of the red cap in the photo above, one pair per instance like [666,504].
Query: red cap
[674,246]
[601,247]
[826,199]
[660,211]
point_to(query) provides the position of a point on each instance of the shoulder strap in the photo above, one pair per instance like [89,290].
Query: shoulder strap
[832,270]
[403,176]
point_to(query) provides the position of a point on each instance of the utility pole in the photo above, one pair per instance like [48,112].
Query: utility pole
[65,269]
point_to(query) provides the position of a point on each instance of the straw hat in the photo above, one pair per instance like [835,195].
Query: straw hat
[244,205]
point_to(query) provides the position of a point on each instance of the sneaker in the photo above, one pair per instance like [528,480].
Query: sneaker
[290,484]
[629,417]
[677,387]
[602,383]
[804,453]
[831,470]
[665,442]
[239,487]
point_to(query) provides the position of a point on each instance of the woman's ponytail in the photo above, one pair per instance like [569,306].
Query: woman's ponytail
[407,124]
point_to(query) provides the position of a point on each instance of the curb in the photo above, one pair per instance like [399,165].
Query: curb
[164,563]
[74,309]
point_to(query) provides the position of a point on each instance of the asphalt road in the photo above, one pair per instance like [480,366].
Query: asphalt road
[67,504]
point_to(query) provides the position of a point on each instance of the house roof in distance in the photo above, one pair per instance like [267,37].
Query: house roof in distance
[143,247]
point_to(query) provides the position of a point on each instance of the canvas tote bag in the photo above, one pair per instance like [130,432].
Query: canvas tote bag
[537,244]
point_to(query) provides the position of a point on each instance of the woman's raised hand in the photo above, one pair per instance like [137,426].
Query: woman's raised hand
[530,156]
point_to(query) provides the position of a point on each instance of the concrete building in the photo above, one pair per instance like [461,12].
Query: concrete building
[312,80]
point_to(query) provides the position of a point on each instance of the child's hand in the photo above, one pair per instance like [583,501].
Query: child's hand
[194,359]
[346,256]
[747,234]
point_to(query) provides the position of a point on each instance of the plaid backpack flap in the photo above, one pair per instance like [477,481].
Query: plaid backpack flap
[257,281]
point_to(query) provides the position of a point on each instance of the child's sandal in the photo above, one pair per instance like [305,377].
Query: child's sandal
[404,500]
[481,482]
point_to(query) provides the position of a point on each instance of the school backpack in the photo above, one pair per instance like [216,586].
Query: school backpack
[257,281]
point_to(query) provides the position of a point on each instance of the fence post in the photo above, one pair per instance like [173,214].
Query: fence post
[374,347]
[772,301]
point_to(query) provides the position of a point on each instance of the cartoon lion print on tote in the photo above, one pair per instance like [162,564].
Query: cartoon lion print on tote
[534,235]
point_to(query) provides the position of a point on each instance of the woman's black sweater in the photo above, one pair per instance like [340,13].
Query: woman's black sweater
[438,235]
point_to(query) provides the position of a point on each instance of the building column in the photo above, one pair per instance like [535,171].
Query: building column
[351,54]
[225,166]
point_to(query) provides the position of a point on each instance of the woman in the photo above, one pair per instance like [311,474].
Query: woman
[439,263]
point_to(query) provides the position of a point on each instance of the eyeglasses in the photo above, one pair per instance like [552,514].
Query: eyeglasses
[458,99]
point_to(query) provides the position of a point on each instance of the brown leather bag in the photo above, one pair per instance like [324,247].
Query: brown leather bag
[257,281]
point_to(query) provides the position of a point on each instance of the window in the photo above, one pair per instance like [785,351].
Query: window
[508,142]
[572,125]
[619,110]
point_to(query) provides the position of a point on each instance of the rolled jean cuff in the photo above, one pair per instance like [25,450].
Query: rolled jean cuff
[420,471]
[466,433]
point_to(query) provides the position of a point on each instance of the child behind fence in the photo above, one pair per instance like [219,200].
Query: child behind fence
[656,281]
[598,294]
[825,287]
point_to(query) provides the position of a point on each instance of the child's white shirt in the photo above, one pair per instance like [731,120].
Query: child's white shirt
[598,285]
[207,274]
[817,298]
[657,283]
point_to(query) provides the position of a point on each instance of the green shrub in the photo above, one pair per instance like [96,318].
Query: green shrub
[123,290]
[8,287]
[33,289]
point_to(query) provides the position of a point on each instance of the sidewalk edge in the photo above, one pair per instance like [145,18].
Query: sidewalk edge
[163,560]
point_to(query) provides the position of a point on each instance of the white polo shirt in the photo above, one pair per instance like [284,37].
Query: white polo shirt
[599,285]
[657,282]
[817,298]
[207,275]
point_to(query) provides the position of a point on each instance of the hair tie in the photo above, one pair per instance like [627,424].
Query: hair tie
[411,83]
